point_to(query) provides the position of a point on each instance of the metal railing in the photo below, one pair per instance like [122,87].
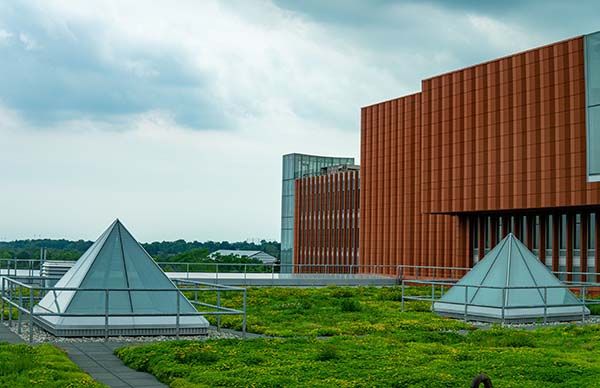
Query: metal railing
[22,293]
[440,272]
[245,271]
[438,288]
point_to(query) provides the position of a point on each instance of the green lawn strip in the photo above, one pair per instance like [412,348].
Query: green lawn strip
[354,337]
[372,360]
[42,366]
[288,312]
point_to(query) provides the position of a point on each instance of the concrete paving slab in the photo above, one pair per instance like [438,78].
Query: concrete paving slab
[99,361]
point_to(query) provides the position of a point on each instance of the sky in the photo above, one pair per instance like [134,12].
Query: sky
[174,116]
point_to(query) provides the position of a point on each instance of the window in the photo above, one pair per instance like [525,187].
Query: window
[592,233]
[592,88]
[563,232]
[577,232]
[549,226]
[536,232]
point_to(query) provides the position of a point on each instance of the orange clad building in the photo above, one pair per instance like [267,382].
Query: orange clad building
[510,145]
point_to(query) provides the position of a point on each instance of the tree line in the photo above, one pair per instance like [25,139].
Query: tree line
[176,251]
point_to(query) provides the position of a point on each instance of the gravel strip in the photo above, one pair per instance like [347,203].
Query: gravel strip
[40,335]
[590,320]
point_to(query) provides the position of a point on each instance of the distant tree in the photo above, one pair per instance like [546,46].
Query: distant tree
[23,255]
[162,251]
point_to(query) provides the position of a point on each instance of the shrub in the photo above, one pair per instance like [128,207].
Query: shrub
[326,332]
[350,305]
[502,338]
[253,360]
[342,293]
[195,353]
[305,304]
[327,353]
[594,309]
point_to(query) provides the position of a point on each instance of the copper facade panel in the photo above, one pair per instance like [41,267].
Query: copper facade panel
[393,224]
[507,134]
[326,223]
[500,138]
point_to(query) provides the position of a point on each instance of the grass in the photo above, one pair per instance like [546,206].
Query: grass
[40,366]
[292,312]
[321,343]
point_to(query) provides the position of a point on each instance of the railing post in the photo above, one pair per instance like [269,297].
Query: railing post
[2,311]
[245,270]
[503,303]
[217,273]
[545,305]
[402,298]
[272,274]
[106,315]
[177,317]
[466,301]
[188,271]
[583,305]
[10,295]
[244,321]
[219,308]
[432,294]
[31,315]
[20,307]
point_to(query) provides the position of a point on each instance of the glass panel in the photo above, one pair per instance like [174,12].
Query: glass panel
[592,233]
[592,84]
[563,232]
[577,235]
[488,237]
[536,232]
[592,59]
[549,226]
[107,271]
[594,141]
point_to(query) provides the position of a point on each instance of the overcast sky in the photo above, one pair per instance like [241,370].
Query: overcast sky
[173,115]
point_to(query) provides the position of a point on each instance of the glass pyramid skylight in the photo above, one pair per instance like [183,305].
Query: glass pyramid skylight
[117,261]
[503,270]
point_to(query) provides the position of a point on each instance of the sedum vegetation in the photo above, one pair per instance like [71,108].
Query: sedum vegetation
[357,337]
[40,366]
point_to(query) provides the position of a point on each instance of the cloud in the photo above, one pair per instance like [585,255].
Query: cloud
[5,35]
[28,42]
[174,116]
[164,181]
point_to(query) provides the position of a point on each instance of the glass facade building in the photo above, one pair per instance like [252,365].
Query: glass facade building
[298,166]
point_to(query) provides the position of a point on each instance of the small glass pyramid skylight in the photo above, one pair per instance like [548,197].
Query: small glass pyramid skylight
[117,261]
[510,264]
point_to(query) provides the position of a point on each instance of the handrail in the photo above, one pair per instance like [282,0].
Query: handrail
[397,271]
[12,295]
[582,301]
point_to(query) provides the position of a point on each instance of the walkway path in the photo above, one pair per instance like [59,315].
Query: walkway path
[97,359]
[8,336]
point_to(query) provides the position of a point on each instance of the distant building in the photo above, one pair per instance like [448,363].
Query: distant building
[298,166]
[326,223]
[265,258]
